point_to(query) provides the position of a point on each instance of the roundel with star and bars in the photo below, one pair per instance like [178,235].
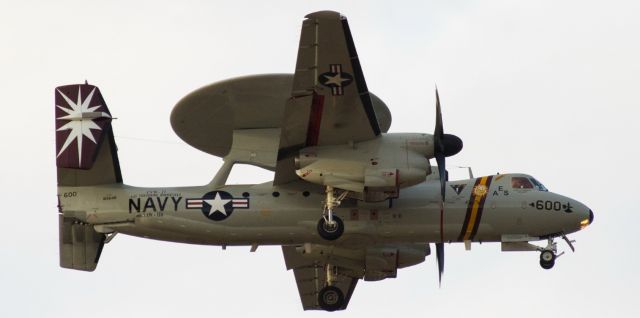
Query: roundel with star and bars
[335,79]
[217,205]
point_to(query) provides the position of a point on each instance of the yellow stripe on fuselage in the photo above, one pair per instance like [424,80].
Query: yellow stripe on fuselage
[477,199]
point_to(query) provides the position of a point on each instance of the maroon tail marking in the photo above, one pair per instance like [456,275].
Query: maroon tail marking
[71,97]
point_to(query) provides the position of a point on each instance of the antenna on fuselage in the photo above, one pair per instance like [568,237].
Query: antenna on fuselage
[469,170]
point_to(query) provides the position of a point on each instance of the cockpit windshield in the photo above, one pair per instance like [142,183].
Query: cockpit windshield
[521,183]
[527,183]
[538,185]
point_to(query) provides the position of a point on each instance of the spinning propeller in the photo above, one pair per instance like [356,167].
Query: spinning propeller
[444,145]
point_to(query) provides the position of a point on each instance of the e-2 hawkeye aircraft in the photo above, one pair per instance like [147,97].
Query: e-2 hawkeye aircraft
[348,201]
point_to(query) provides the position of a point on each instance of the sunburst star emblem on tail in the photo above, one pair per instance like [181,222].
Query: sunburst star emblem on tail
[81,120]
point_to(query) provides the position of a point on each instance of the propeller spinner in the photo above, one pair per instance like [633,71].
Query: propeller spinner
[445,145]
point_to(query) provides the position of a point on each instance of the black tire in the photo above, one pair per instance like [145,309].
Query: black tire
[331,233]
[547,259]
[546,265]
[331,298]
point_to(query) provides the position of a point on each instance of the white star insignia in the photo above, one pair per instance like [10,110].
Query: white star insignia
[217,204]
[80,117]
[336,79]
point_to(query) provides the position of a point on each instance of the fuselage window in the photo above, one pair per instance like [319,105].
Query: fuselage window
[521,183]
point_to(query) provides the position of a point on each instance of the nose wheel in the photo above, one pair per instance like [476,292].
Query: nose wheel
[331,227]
[547,259]
[548,254]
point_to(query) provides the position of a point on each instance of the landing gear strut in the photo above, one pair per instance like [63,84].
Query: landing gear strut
[331,227]
[330,298]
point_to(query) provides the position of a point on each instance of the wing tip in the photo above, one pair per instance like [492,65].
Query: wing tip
[326,14]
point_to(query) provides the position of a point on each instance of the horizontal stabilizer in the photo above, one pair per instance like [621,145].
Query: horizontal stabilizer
[80,245]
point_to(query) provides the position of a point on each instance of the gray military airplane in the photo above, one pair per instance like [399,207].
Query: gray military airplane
[348,201]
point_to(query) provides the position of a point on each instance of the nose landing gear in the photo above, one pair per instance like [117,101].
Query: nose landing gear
[549,254]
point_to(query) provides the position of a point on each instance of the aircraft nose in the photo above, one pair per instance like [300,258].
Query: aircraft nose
[584,223]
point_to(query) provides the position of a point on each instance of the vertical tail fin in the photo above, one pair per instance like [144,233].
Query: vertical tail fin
[86,152]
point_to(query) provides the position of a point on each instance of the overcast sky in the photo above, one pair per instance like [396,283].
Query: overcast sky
[549,88]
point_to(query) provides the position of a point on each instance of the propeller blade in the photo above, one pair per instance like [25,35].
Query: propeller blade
[444,144]
[439,131]
[442,170]
[440,260]
[439,147]
[440,153]
[440,159]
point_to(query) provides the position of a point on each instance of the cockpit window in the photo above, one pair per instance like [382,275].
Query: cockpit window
[521,183]
[539,185]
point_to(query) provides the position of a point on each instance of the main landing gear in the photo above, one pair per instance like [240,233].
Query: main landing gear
[330,298]
[331,227]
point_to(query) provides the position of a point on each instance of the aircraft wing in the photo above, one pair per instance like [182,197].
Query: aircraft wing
[330,103]
[311,277]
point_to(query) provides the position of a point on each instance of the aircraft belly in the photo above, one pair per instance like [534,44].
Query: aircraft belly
[280,227]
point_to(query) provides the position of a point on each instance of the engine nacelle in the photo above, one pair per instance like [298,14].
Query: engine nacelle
[379,262]
[388,163]
[383,262]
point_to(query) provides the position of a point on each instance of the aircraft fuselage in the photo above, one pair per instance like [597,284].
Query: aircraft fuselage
[486,209]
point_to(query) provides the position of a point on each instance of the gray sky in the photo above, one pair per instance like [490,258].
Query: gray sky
[548,88]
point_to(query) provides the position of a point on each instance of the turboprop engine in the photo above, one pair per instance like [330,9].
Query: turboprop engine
[385,164]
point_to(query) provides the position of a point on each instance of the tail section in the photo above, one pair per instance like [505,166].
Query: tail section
[85,156]
[86,152]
